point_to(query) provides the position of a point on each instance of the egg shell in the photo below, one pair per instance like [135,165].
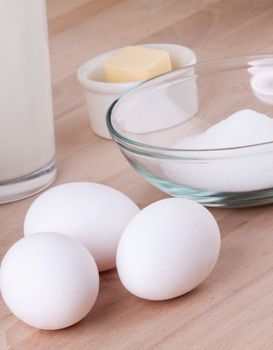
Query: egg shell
[93,213]
[49,281]
[168,249]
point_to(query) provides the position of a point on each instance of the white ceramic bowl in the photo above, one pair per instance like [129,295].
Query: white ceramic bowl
[100,94]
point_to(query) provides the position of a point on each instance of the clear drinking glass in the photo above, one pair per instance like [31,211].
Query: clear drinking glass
[27,145]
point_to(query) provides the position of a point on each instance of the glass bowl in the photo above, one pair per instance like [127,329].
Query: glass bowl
[155,126]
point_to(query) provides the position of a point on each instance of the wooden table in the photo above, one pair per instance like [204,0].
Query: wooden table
[233,308]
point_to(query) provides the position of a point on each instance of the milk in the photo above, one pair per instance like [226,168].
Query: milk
[26,116]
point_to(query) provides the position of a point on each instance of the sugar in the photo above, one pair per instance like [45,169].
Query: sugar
[234,170]
[246,127]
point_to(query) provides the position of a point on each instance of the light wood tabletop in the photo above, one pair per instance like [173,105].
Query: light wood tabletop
[233,308]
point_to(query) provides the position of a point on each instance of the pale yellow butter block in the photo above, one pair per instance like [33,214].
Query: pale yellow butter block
[137,63]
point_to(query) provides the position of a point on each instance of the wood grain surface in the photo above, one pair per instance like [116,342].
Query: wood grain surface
[233,308]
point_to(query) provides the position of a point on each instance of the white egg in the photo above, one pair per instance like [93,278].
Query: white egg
[49,280]
[94,214]
[168,249]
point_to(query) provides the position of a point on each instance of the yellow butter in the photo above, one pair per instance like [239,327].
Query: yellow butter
[137,63]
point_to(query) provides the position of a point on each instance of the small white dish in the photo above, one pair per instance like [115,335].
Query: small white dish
[100,94]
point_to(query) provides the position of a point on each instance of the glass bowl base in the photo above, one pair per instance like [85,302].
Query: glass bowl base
[213,199]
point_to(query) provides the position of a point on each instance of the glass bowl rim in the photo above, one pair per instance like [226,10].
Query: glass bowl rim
[244,63]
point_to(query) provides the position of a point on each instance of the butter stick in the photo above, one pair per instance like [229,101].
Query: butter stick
[137,63]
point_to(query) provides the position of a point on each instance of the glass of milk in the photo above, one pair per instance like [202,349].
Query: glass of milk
[27,146]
